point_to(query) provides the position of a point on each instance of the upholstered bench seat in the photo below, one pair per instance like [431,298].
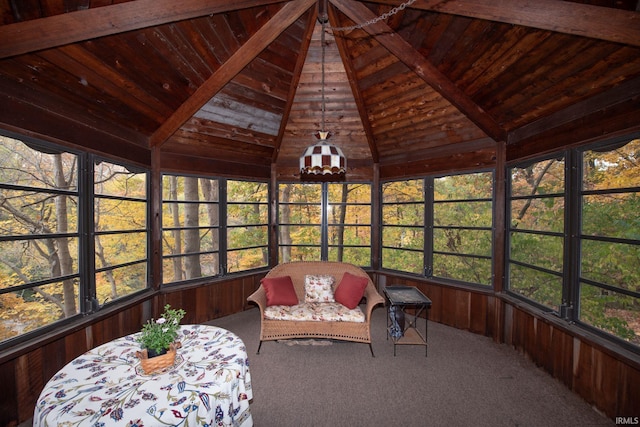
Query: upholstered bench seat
[315,312]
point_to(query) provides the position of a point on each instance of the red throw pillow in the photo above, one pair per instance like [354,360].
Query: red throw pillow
[350,290]
[280,291]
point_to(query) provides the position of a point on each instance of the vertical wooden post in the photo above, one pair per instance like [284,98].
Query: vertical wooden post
[499,241]
[155,252]
[376,203]
[273,216]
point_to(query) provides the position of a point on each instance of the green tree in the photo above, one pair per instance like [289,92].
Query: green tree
[31,206]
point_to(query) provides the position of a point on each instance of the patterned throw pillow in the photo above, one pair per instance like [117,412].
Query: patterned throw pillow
[318,288]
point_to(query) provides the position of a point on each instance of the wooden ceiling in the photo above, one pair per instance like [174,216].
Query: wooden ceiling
[235,86]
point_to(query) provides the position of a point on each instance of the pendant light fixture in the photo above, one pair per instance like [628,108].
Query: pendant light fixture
[323,161]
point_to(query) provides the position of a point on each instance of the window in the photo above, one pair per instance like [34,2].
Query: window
[440,227]
[66,252]
[610,240]
[120,223]
[462,227]
[536,208]
[299,222]
[247,225]
[190,228]
[39,200]
[211,227]
[325,221]
[349,223]
[574,243]
[403,226]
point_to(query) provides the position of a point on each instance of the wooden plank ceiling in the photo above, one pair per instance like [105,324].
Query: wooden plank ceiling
[240,81]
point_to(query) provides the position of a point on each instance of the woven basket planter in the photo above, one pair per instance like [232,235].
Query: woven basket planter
[158,363]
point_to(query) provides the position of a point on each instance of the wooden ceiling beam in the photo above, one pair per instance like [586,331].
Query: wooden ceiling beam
[357,94]
[422,67]
[58,30]
[597,22]
[223,75]
[304,49]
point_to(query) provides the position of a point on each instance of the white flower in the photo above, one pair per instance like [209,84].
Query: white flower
[161,320]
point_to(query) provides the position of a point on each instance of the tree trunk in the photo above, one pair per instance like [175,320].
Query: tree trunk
[265,251]
[177,236]
[343,215]
[108,273]
[100,249]
[535,183]
[50,254]
[285,214]
[192,233]
[64,256]
[211,194]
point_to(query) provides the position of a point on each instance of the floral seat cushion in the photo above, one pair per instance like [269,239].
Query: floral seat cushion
[315,312]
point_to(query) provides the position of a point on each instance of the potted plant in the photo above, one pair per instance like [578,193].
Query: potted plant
[158,340]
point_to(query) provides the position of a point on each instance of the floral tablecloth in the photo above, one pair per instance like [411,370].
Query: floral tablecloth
[208,385]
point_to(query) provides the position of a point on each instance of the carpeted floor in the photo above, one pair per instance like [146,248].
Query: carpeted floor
[466,380]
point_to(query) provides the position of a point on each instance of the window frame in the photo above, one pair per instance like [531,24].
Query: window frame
[564,272]
[182,228]
[221,229]
[426,229]
[489,229]
[265,245]
[573,238]
[87,302]
[577,237]
[79,275]
[93,197]
[429,227]
[324,204]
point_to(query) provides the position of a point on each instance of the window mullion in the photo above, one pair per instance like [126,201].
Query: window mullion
[428,226]
[572,227]
[86,228]
[324,223]
[222,226]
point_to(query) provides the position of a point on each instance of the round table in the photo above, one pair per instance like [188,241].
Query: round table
[209,385]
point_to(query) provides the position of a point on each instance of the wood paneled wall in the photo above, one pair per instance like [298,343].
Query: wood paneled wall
[604,376]
[468,309]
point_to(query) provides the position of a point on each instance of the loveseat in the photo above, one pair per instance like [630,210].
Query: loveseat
[316,299]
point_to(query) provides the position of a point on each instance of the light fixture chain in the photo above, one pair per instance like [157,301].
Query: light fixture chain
[377,19]
[322,41]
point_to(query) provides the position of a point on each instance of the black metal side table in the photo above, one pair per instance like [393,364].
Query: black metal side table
[401,325]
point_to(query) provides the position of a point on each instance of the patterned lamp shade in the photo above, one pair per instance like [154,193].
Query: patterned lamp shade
[323,162]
